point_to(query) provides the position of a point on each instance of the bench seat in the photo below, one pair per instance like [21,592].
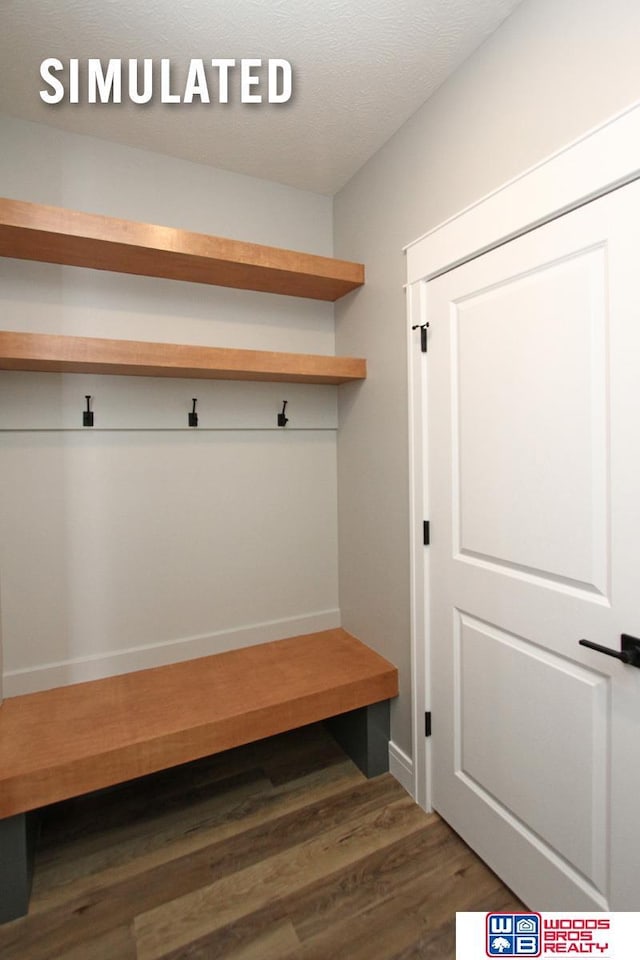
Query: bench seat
[68,741]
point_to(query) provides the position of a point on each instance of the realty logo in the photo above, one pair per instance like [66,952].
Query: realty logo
[513,935]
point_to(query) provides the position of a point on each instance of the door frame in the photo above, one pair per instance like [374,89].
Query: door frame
[605,158]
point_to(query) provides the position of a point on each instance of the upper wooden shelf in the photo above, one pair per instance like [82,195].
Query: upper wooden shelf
[59,354]
[30,231]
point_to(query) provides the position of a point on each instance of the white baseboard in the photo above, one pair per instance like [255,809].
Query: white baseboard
[96,666]
[401,767]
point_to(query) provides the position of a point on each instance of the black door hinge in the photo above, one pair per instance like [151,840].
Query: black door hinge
[426,534]
[423,334]
[427,723]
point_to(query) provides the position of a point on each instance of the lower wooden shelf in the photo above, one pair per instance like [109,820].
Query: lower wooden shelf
[63,354]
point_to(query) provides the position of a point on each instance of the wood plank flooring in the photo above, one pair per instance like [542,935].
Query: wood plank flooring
[280,850]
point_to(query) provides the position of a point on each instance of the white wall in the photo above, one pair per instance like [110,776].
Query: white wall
[137,545]
[553,70]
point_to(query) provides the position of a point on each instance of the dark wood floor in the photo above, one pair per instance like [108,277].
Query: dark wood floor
[281,850]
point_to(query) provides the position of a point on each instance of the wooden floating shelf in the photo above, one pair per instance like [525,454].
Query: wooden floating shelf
[31,231]
[60,354]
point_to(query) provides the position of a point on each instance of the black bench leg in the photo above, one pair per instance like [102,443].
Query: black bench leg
[364,735]
[18,836]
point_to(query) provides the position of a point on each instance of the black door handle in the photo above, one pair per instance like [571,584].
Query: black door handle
[629,649]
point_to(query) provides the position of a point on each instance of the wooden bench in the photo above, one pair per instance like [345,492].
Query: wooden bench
[67,741]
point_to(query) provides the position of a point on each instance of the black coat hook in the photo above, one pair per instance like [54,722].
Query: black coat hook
[422,327]
[87,415]
[282,419]
[193,416]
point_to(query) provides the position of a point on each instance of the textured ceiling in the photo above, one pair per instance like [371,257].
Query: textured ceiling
[361,68]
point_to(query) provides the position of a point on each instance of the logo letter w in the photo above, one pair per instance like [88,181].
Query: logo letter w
[501,924]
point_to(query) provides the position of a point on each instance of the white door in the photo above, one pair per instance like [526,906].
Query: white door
[534,480]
